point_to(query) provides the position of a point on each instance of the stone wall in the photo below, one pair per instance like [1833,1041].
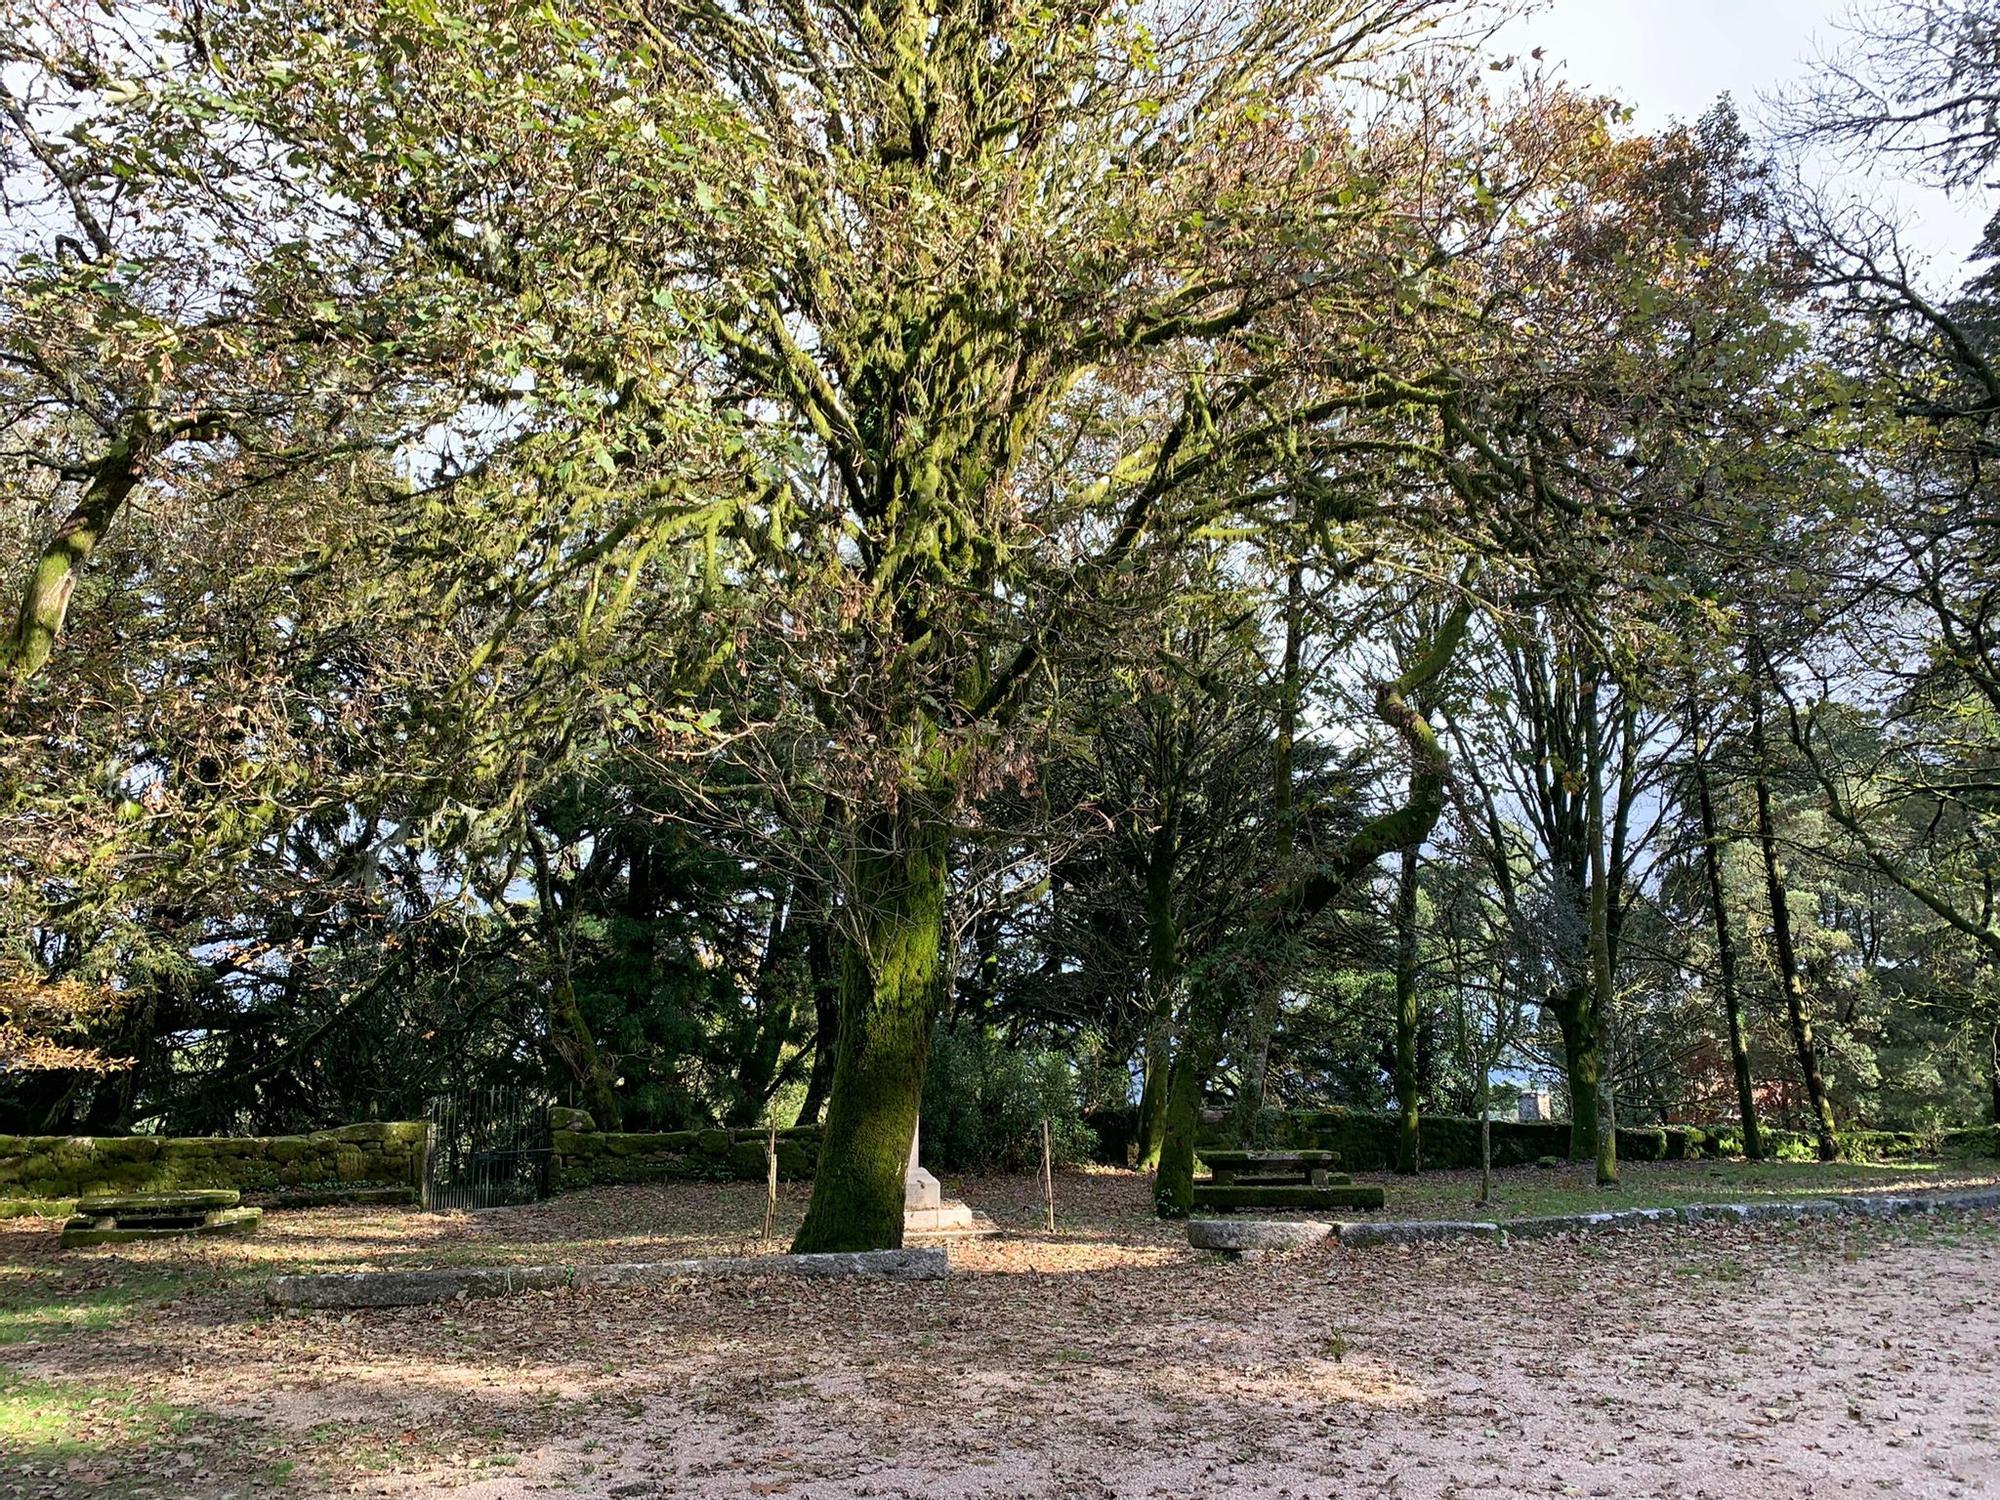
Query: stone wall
[42,1169]
[1367,1142]
[588,1157]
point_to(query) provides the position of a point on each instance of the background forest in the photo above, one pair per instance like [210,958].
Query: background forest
[1089,560]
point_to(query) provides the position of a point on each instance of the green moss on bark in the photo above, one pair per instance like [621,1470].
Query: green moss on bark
[889,992]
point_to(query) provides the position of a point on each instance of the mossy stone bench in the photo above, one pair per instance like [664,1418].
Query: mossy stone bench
[124,1219]
[1304,1168]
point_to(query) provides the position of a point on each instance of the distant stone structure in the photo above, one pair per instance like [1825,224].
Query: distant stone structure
[1534,1105]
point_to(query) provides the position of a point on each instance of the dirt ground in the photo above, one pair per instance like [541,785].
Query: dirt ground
[1797,1361]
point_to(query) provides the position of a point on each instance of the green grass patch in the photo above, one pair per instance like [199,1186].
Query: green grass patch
[37,1305]
[43,1422]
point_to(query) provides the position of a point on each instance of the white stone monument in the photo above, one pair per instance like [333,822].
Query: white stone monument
[925,1210]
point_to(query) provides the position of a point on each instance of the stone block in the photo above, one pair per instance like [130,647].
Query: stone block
[1552,1224]
[712,1142]
[940,1218]
[1247,1239]
[1416,1231]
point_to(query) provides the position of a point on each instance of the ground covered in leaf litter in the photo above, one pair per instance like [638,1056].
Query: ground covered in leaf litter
[1838,1358]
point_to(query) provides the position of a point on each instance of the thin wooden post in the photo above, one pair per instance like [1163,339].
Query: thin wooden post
[1048,1176]
[770,1182]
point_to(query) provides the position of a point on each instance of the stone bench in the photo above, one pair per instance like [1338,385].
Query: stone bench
[127,1218]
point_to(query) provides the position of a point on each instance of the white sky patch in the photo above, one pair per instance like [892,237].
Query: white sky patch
[1670,59]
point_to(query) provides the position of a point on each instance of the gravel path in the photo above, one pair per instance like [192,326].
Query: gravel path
[1739,1362]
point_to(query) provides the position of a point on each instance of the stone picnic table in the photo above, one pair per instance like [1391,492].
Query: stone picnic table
[1279,1179]
[1314,1168]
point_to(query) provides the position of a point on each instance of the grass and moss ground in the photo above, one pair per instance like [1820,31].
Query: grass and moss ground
[1105,1360]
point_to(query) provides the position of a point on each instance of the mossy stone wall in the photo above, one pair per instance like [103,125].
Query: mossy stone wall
[54,1168]
[1367,1142]
[588,1157]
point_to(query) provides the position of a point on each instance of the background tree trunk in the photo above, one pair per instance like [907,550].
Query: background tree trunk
[1163,962]
[1407,1104]
[826,1018]
[1725,951]
[1603,995]
[1791,980]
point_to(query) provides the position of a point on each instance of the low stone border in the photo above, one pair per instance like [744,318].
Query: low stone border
[1246,1239]
[1863,1206]
[346,1289]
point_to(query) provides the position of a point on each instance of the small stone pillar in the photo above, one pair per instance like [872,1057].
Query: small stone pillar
[925,1210]
[920,1189]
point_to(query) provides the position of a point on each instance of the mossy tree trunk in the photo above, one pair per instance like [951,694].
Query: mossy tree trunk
[1408,1124]
[45,601]
[1581,1066]
[1173,1183]
[889,988]
[1791,977]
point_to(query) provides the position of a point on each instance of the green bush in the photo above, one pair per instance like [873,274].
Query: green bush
[985,1100]
[1643,1145]
[1977,1142]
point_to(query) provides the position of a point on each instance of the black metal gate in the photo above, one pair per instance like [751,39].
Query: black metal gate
[487,1148]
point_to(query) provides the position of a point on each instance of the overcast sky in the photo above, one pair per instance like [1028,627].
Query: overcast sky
[1671,58]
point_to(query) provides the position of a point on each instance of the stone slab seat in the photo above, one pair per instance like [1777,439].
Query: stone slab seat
[1227,1196]
[195,1201]
[104,1229]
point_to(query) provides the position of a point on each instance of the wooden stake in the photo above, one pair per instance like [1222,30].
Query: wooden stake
[1048,1176]
[770,1182]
